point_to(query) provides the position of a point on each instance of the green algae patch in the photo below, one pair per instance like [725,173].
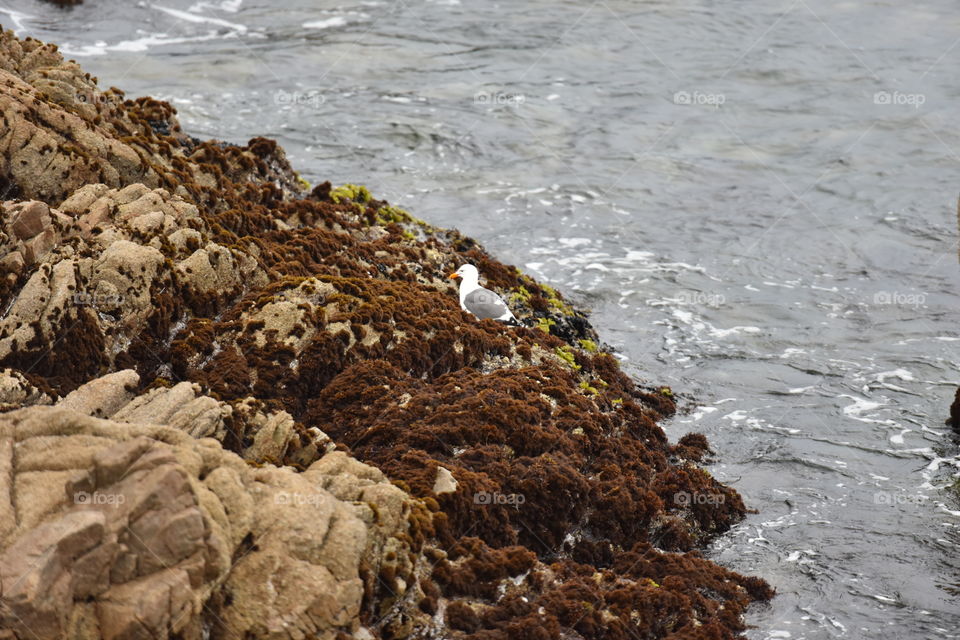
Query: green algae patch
[566,354]
[391,214]
[522,295]
[586,386]
[555,301]
[544,324]
[354,193]
[588,345]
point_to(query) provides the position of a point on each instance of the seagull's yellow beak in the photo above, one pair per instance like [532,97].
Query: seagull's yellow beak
[453,276]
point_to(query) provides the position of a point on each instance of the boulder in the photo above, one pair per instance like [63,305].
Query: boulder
[156,534]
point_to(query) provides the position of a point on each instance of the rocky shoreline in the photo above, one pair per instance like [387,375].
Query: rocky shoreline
[234,406]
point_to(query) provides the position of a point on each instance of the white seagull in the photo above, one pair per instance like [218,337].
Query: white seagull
[481,302]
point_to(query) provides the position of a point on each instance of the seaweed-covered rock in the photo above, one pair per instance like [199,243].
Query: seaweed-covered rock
[471,479]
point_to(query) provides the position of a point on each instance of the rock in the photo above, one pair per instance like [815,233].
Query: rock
[16,391]
[36,248]
[36,582]
[445,482]
[273,436]
[32,218]
[307,436]
[152,528]
[954,419]
[104,396]
[42,161]
[13,262]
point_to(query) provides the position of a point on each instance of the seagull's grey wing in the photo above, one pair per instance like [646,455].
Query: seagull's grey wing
[484,304]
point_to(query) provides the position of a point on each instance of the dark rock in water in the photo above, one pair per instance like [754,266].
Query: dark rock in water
[265,357]
[954,419]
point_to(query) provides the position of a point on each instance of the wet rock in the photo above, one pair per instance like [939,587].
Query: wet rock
[954,419]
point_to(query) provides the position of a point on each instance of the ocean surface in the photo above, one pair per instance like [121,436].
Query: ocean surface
[757,200]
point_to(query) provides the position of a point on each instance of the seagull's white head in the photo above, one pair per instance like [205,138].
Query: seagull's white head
[468,273]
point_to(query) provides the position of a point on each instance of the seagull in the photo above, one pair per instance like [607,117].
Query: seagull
[481,302]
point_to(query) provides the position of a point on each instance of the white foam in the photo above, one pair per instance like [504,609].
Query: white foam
[699,412]
[723,333]
[859,406]
[898,438]
[329,23]
[735,416]
[230,6]
[192,17]
[100,47]
[17,17]
[573,242]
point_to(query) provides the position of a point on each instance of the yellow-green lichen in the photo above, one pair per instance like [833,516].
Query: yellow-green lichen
[388,214]
[303,182]
[352,192]
[589,389]
[521,295]
[666,391]
[544,324]
[554,300]
[395,215]
[566,354]
[588,345]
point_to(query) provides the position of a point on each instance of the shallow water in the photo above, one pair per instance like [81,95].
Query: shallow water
[756,199]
